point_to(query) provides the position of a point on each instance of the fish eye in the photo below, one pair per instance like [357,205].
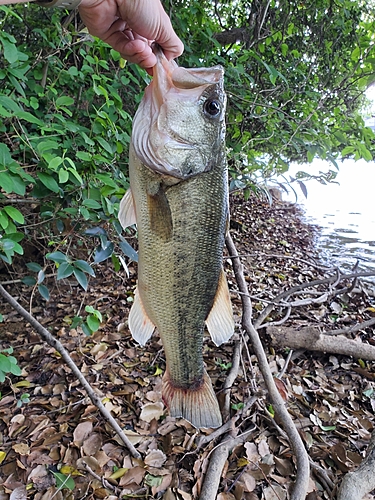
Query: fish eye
[212,108]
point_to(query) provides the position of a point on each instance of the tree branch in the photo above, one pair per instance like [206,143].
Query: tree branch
[56,344]
[356,484]
[217,461]
[312,339]
[303,470]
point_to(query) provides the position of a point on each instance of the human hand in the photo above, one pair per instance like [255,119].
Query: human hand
[130,26]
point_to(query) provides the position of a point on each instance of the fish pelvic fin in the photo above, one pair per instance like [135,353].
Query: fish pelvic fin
[140,325]
[198,406]
[220,322]
[126,214]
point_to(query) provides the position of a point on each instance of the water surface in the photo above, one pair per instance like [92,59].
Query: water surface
[345,211]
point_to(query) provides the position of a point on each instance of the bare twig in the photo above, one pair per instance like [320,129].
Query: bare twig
[56,344]
[303,470]
[227,427]
[352,329]
[284,295]
[231,377]
[107,485]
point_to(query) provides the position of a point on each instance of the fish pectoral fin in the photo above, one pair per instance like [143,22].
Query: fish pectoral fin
[198,406]
[126,214]
[140,325]
[220,322]
[160,215]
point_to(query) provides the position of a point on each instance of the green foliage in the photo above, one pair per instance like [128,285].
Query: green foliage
[66,103]
[295,75]
[24,399]
[63,481]
[8,364]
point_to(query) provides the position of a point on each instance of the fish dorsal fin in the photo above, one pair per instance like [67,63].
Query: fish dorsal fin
[220,322]
[126,214]
[140,325]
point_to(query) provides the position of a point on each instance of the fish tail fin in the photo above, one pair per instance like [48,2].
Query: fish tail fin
[198,406]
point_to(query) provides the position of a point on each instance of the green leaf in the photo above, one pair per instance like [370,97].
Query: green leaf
[14,214]
[57,257]
[46,146]
[64,101]
[25,115]
[93,204]
[65,270]
[63,481]
[49,182]
[5,364]
[43,290]
[34,266]
[6,182]
[14,368]
[93,323]
[4,221]
[129,250]
[55,162]
[86,329]
[63,176]
[29,280]
[105,145]
[5,157]
[81,278]
[84,155]
[153,480]
[84,266]
[102,254]
[10,51]
[9,103]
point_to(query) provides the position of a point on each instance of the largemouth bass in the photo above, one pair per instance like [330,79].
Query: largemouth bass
[179,200]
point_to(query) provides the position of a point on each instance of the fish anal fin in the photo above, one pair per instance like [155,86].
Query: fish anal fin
[220,322]
[126,214]
[140,325]
[198,406]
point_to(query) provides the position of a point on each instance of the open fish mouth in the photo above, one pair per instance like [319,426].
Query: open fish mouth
[160,138]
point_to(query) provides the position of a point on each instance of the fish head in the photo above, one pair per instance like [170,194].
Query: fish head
[179,127]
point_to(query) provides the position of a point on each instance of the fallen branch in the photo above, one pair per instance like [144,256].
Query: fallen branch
[357,484]
[56,344]
[217,461]
[312,339]
[303,470]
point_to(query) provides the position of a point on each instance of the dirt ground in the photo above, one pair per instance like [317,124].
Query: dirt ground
[55,444]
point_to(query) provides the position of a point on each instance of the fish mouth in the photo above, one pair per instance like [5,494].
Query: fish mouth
[159,138]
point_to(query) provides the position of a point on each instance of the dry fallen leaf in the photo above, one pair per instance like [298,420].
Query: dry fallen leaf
[18,494]
[81,432]
[155,458]
[248,482]
[21,448]
[152,411]
[274,493]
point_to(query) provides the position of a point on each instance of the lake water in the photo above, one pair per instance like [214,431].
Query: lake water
[344,211]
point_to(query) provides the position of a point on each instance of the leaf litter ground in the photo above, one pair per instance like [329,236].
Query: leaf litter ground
[55,444]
